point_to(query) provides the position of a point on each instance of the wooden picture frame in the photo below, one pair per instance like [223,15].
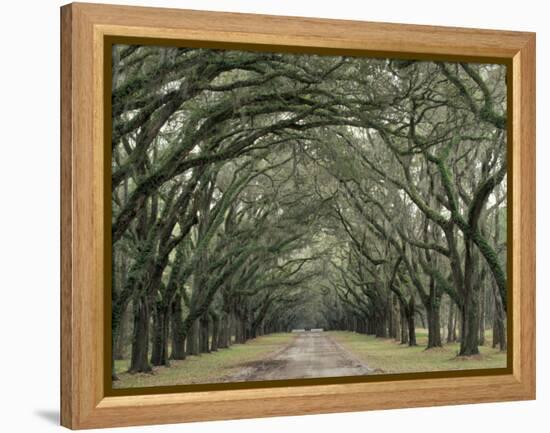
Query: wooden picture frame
[85,28]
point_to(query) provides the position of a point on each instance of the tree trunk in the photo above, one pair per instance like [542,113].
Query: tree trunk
[253,331]
[458,326]
[411,324]
[391,321]
[469,333]
[404,326]
[193,339]
[223,332]
[245,331]
[232,329]
[381,328]
[238,329]
[159,355]
[119,330]
[397,320]
[120,338]
[499,326]
[482,317]
[229,329]
[371,326]
[412,330]
[204,346]
[215,332]
[451,325]
[140,341]
[178,338]
[241,331]
[434,327]
[363,326]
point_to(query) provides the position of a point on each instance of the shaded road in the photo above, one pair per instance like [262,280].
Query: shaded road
[310,354]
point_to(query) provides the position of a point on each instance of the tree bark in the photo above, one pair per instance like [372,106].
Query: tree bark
[411,322]
[391,319]
[140,341]
[381,328]
[161,321]
[120,338]
[469,332]
[434,326]
[192,339]
[204,346]
[215,332]
[397,320]
[482,316]
[451,325]
[178,337]
[469,335]
[404,326]
[499,322]
[223,332]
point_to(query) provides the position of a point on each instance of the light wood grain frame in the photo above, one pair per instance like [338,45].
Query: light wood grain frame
[84,223]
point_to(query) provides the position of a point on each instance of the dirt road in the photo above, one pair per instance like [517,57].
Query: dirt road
[310,354]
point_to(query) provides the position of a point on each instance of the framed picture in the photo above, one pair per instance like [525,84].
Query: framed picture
[268,216]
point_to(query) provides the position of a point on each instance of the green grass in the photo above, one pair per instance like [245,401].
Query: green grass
[388,356]
[205,368]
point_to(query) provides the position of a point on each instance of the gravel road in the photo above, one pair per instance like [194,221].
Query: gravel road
[310,354]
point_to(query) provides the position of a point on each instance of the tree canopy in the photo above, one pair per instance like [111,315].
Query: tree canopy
[255,192]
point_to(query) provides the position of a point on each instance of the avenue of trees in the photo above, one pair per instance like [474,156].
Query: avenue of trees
[256,192]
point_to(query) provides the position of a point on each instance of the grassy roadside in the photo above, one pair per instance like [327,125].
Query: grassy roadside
[388,356]
[206,368]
